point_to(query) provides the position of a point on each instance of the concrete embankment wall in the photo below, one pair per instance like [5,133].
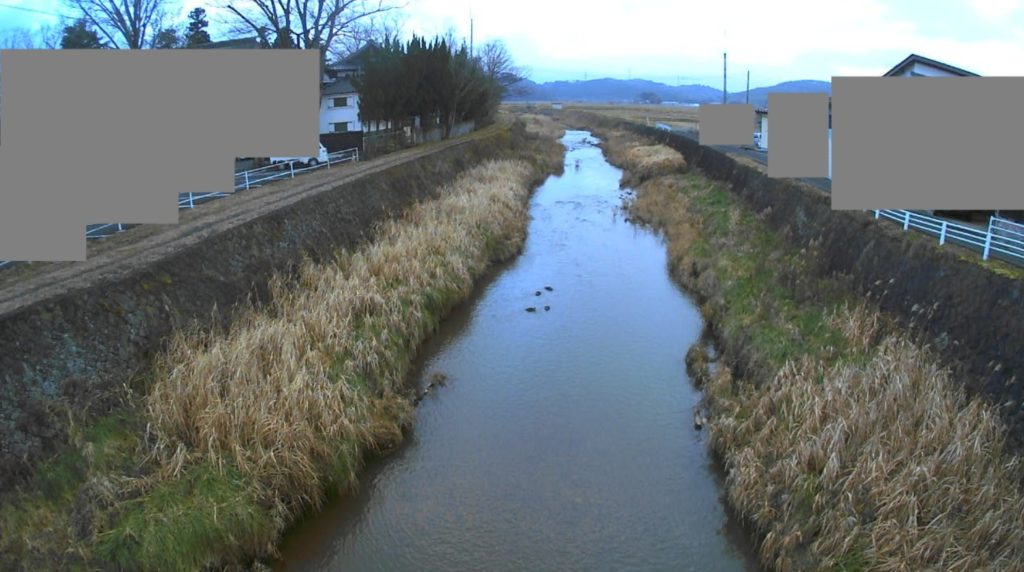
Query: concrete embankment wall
[73,354]
[974,316]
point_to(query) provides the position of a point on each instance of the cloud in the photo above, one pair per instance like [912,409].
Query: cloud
[995,10]
[669,38]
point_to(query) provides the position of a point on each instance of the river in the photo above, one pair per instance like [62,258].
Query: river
[563,438]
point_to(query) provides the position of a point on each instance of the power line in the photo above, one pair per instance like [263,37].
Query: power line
[22,8]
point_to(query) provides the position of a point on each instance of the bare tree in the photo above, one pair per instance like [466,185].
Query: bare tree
[131,24]
[376,28]
[497,63]
[304,24]
[50,36]
[18,39]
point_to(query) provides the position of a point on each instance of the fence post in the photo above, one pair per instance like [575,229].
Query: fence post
[247,180]
[942,235]
[119,229]
[878,213]
[190,203]
[988,241]
[906,220]
[291,165]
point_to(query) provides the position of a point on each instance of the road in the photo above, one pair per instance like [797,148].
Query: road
[123,253]
[255,180]
[758,155]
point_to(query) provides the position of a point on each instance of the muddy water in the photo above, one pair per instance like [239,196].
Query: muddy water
[564,438]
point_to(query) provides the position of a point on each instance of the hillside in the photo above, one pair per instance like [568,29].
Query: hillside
[621,90]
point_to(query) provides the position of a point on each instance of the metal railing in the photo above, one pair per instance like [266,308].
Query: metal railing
[1003,239]
[244,180]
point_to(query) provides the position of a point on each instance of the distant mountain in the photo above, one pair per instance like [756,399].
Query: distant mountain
[627,90]
[759,96]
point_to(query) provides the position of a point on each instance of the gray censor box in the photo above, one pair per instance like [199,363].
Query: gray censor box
[726,124]
[799,127]
[113,136]
[949,143]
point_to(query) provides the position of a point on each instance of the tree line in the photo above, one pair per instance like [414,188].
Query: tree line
[333,26]
[441,81]
[437,81]
[122,29]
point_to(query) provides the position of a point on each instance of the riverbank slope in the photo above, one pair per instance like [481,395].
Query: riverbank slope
[848,443]
[167,470]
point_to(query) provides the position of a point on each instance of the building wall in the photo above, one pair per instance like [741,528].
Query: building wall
[348,114]
[918,68]
[762,129]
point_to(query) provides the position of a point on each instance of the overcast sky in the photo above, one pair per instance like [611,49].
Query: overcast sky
[679,41]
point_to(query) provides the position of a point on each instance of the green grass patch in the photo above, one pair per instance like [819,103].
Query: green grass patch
[187,523]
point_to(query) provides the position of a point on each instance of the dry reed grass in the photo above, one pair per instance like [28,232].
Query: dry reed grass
[293,394]
[651,161]
[542,125]
[641,162]
[865,456]
[883,466]
[641,113]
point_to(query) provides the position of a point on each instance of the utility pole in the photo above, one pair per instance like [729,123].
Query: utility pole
[725,51]
[748,87]
[724,91]
[471,34]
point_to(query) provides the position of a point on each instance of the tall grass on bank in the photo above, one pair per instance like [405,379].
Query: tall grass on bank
[639,161]
[884,466]
[268,413]
[542,125]
[847,445]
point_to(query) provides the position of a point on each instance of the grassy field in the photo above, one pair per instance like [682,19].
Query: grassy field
[847,445]
[240,431]
[674,115]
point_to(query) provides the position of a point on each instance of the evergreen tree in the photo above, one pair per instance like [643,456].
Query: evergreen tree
[166,39]
[196,33]
[431,81]
[79,36]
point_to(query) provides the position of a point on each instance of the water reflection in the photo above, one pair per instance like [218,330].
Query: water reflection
[564,438]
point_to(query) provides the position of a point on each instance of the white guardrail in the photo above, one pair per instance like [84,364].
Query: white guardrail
[244,180]
[1003,239]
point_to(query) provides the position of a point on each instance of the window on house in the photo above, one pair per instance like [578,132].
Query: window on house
[340,102]
[340,127]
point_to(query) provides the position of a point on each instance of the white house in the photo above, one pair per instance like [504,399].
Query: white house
[339,100]
[339,107]
[761,127]
[920,66]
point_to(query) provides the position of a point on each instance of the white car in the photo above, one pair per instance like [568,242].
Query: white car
[307,161]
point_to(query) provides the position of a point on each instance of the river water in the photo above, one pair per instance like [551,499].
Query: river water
[564,438]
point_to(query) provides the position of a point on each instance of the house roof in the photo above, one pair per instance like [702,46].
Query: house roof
[358,57]
[338,87]
[914,58]
[235,44]
[353,62]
